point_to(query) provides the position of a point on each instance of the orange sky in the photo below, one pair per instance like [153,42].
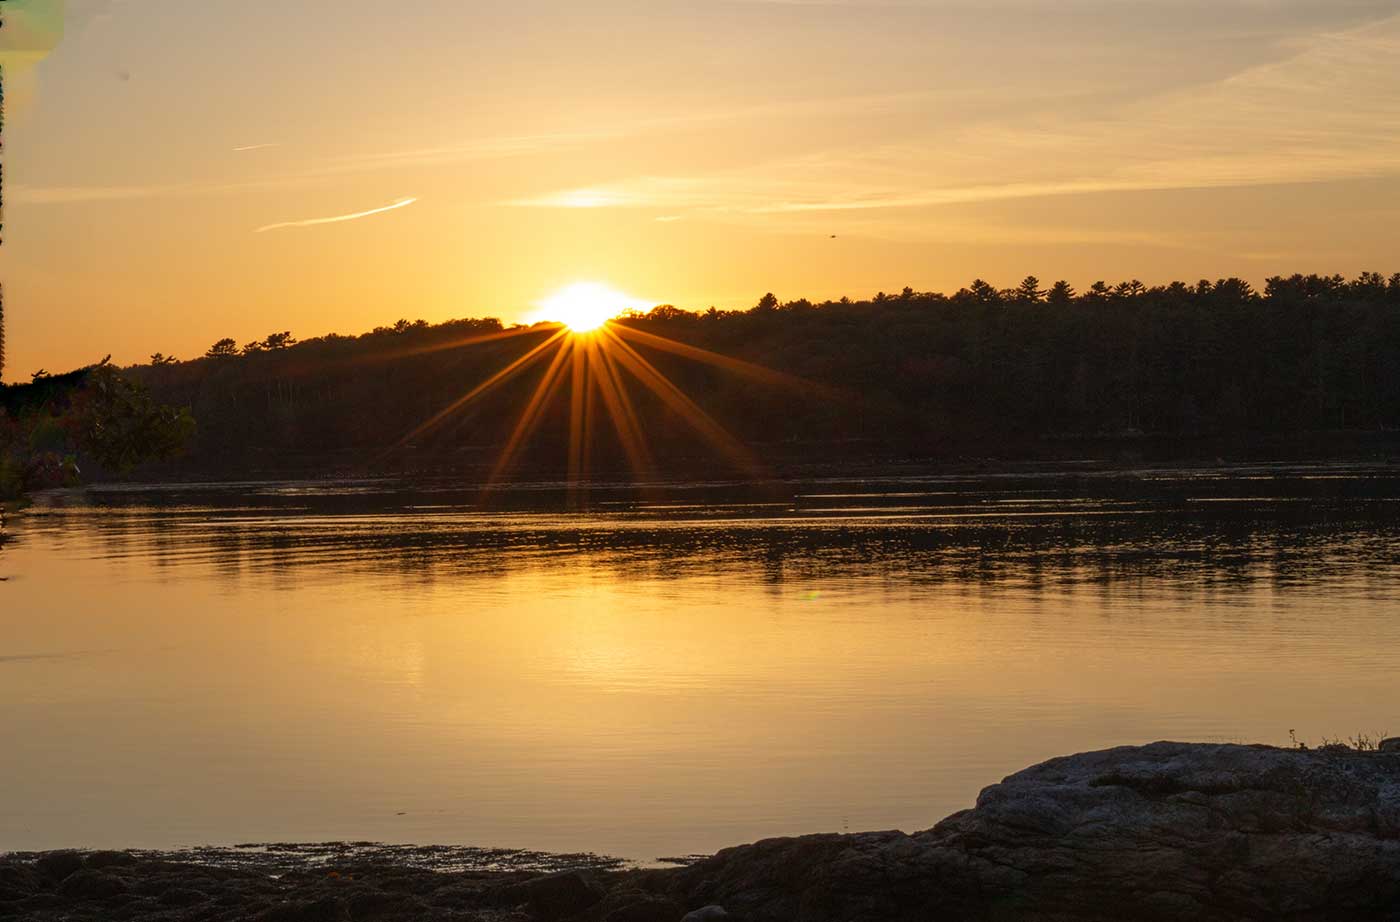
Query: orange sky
[169,165]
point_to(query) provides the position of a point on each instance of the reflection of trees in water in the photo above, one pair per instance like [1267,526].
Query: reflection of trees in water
[1005,538]
[5,536]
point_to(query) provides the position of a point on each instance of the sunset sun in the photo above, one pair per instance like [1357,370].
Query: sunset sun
[585,306]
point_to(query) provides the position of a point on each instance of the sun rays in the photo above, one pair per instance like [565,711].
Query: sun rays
[594,371]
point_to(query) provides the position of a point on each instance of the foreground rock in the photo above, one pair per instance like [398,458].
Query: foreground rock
[1162,832]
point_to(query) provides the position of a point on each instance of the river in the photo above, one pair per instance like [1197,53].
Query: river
[668,671]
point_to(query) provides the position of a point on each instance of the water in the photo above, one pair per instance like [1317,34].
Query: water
[669,673]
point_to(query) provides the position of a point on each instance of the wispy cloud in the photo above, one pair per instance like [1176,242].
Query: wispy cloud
[1330,112]
[239,150]
[472,150]
[313,222]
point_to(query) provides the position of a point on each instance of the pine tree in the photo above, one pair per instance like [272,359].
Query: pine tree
[1029,291]
[1061,293]
[2,333]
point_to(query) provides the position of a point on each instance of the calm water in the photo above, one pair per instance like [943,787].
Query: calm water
[669,673]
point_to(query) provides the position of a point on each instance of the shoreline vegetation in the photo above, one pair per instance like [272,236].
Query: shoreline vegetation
[54,427]
[1167,831]
[983,379]
[1308,368]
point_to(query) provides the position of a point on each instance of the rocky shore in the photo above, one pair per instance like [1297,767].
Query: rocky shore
[1170,831]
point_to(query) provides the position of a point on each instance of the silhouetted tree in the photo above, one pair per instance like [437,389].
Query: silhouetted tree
[1126,290]
[401,326]
[224,348]
[1029,291]
[984,293]
[1061,293]
[665,312]
[284,340]
[2,333]
[1237,290]
[160,358]
[1369,286]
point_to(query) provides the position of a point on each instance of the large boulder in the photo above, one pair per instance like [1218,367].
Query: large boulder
[55,866]
[1168,831]
[555,896]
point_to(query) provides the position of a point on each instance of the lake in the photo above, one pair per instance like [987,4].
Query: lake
[668,671]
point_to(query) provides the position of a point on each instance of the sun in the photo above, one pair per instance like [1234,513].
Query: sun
[585,306]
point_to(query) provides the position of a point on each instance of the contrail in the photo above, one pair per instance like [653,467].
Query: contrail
[344,217]
[254,147]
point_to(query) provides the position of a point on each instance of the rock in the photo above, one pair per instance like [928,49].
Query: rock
[27,909]
[1390,745]
[458,895]
[555,896]
[101,860]
[326,909]
[706,914]
[376,904]
[18,882]
[55,866]
[775,879]
[182,896]
[633,906]
[1162,832]
[90,884]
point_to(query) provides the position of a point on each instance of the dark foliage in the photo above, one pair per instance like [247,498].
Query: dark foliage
[987,370]
[119,425]
[92,414]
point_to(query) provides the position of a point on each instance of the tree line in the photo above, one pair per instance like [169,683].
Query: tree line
[1005,372]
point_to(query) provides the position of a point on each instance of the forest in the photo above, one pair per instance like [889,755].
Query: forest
[1029,372]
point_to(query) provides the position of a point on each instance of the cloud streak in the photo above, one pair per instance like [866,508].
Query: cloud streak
[1327,113]
[316,222]
[496,148]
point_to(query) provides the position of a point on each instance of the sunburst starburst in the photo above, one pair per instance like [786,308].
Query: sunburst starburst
[592,365]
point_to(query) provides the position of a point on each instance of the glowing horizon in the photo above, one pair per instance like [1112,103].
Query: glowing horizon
[585,306]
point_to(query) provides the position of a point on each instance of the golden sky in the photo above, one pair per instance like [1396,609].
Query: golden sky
[171,165]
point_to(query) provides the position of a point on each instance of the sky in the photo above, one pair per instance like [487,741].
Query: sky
[172,168]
